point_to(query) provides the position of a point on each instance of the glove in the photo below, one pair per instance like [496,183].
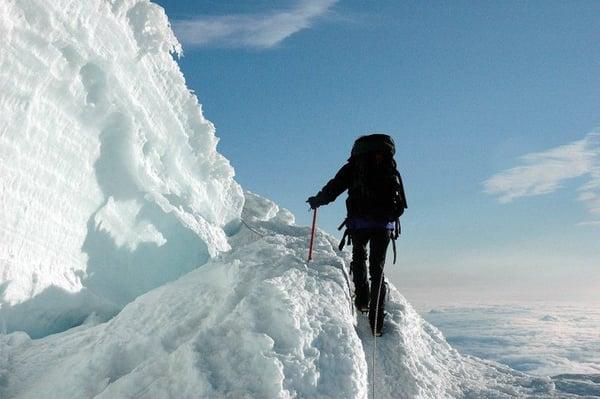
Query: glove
[313,202]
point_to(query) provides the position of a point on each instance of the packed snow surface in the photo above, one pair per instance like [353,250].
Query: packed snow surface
[114,202]
[255,322]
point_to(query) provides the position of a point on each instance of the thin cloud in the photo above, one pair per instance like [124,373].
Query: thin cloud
[544,172]
[250,30]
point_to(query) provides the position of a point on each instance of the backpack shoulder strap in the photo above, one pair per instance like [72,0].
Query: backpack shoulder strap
[401,193]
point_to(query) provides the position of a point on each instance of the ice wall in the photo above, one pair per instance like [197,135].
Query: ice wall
[110,182]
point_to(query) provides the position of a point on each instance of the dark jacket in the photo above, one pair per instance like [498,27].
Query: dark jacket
[381,197]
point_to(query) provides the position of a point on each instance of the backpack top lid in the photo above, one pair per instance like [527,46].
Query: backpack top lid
[373,143]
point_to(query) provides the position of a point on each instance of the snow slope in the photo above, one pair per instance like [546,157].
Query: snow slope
[255,322]
[108,170]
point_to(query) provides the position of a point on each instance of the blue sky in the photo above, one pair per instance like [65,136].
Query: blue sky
[492,105]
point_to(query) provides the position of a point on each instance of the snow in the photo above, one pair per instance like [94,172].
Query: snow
[257,321]
[108,168]
[133,265]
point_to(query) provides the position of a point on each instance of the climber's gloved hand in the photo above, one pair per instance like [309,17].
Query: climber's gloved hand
[312,201]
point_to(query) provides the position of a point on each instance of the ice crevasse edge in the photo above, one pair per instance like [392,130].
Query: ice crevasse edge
[110,180]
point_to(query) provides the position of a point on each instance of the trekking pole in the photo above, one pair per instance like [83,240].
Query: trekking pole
[312,234]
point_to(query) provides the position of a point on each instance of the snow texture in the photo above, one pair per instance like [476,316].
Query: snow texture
[108,169]
[255,322]
[114,202]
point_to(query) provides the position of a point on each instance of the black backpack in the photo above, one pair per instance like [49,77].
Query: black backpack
[372,143]
[376,189]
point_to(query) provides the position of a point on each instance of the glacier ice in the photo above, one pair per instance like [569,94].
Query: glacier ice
[109,171]
[115,202]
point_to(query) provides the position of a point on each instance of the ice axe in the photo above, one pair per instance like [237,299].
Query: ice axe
[312,234]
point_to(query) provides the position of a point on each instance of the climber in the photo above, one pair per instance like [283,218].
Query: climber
[374,205]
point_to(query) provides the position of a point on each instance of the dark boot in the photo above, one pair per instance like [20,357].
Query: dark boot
[378,245]
[376,312]
[377,329]
[361,298]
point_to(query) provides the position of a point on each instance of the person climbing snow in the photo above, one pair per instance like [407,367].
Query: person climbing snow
[375,202]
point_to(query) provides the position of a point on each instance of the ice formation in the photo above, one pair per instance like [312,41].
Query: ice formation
[111,184]
[114,201]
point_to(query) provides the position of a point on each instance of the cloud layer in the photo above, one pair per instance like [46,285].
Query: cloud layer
[544,172]
[540,339]
[250,30]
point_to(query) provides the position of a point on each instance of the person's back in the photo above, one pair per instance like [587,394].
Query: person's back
[375,202]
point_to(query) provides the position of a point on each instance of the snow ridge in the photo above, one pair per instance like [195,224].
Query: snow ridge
[257,321]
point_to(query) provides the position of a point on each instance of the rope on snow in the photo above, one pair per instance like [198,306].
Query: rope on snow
[251,229]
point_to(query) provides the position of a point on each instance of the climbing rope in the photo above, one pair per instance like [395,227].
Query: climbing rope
[251,229]
[375,329]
